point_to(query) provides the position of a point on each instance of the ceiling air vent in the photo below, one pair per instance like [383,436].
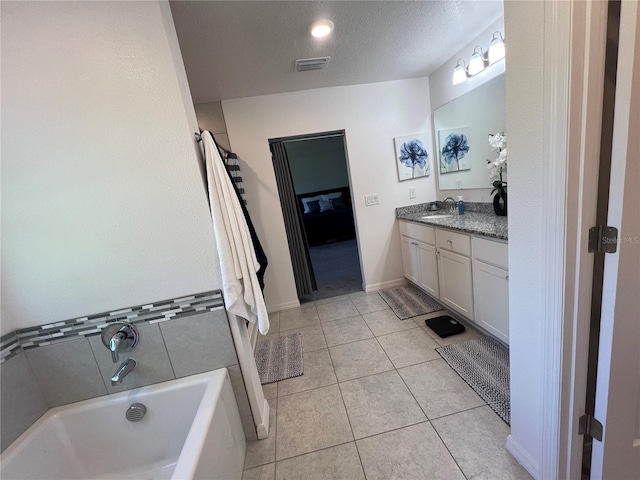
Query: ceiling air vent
[306,64]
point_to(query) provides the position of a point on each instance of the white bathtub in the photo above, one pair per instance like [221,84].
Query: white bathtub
[192,429]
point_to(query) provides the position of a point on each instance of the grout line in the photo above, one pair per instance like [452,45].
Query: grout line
[307,453]
[164,343]
[455,460]
[399,331]
[275,440]
[393,430]
[466,410]
[95,359]
[344,405]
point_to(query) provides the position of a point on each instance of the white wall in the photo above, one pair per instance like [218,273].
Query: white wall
[317,164]
[371,115]
[102,201]
[210,118]
[443,91]
[524,21]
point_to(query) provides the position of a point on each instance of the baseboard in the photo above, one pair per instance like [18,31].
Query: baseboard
[523,457]
[376,287]
[283,306]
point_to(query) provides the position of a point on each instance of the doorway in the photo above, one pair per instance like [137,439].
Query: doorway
[317,165]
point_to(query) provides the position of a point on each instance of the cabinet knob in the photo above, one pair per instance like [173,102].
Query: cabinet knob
[449,242]
[507,277]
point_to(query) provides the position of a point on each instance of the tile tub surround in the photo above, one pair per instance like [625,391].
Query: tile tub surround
[64,362]
[475,220]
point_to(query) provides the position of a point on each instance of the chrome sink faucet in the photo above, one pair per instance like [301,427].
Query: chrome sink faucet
[452,207]
[123,370]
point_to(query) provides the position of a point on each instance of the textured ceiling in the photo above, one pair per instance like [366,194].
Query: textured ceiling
[241,49]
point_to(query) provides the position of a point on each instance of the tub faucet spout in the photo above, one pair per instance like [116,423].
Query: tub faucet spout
[123,370]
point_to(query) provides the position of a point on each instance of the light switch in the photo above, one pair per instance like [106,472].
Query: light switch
[412,192]
[458,183]
[371,199]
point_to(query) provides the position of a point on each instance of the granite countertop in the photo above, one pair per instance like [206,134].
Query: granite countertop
[477,219]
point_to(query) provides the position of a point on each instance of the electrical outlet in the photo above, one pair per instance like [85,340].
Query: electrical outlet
[371,199]
[412,192]
[458,183]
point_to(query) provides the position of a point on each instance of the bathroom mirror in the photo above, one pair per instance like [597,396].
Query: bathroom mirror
[461,128]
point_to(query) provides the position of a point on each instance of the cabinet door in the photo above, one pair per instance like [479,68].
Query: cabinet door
[410,259]
[491,295]
[428,263]
[456,291]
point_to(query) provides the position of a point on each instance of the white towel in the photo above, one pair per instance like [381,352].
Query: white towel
[238,263]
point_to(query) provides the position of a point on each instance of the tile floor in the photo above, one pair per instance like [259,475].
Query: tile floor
[376,401]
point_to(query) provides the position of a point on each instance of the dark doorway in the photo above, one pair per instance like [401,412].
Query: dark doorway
[319,173]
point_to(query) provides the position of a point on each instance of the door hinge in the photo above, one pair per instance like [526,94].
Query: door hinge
[603,239]
[589,425]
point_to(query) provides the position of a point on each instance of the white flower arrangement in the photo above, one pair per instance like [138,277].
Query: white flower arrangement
[499,143]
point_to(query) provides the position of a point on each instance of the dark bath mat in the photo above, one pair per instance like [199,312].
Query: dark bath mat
[483,363]
[279,358]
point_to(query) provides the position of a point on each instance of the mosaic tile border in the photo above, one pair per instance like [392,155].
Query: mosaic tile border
[156,312]
[9,346]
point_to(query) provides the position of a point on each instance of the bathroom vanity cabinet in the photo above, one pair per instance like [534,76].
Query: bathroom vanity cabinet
[419,256]
[466,272]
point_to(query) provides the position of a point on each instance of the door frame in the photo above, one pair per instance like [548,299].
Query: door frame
[574,46]
[334,133]
[616,394]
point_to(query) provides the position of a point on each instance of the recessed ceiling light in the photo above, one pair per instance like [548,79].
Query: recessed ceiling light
[321,28]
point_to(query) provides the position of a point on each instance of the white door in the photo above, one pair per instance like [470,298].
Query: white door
[491,299]
[428,269]
[618,381]
[455,282]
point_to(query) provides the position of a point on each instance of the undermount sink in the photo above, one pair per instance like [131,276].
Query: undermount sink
[431,217]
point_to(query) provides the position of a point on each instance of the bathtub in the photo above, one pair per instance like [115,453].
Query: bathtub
[192,429]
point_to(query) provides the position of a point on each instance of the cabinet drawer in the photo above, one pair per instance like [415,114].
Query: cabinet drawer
[418,232]
[455,242]
[489,251]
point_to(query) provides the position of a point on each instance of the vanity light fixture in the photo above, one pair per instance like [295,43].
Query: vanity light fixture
[460,72]
[321,28]
[496,48]
[478,61]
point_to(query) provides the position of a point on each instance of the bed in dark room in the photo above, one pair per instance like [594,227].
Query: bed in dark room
[327,215]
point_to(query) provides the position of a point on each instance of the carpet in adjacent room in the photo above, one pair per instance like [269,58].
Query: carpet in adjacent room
[336,267]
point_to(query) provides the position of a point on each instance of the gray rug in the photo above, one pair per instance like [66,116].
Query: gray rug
[279,358]
[409,301]
[484,364]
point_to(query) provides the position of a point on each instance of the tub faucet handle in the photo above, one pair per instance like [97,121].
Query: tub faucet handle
[114,345]
[119,337]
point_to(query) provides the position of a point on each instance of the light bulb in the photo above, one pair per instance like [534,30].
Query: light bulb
[321,28]
[477,63]
[459,73]
[496,48]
